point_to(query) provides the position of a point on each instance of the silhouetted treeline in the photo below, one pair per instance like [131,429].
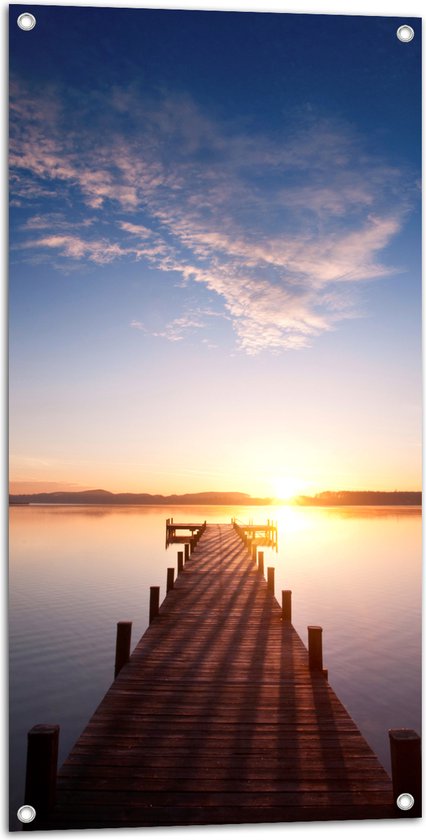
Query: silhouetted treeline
[362,497]
[103,497]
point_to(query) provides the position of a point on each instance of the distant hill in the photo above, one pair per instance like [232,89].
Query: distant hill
[362,497]
[103,497]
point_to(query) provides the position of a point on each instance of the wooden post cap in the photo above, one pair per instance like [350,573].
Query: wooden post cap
[43,729]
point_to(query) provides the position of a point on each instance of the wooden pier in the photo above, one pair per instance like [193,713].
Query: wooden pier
[220,715]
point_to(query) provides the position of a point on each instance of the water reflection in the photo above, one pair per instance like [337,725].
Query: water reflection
[76,571]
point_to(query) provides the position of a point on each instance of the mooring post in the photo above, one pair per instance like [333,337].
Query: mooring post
[180,562]
[271,579]
[42,766]
[406,760]
[186,550]
[260,561]
[286,604]
[254,553]
[170,578]
[122,645]
[154,602]
[315,648]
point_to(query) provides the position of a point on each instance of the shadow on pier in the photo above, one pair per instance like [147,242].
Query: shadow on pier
[221,714]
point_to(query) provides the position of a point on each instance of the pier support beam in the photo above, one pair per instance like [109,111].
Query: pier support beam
[186,550]
[154,602]
[42,765]
[286,604]
[122,645]
[405,749]
[315,648]
[271,579]
[261,565]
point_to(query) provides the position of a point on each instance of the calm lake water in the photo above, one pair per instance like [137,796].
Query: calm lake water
[76,571]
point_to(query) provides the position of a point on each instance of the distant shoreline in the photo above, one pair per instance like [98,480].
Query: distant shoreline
[327,499]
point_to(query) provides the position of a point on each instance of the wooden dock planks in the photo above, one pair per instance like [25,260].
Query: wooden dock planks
[217,719]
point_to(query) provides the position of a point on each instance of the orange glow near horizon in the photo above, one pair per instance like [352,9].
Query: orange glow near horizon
[283,490]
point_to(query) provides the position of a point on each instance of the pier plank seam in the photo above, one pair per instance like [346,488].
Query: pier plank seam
[217,718]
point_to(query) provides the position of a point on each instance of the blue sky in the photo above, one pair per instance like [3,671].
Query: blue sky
[215,251]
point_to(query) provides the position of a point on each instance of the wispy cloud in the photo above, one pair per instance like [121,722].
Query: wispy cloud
[47,221]
[194,319]
[282,228]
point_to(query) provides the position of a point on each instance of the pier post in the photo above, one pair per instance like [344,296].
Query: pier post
[42,765]
[271,579]
[154,602]
[286,604]
[261,567]
[122,645]
[186,550]
[405,749]
[254,553]
[180,562]
[170,578]
[315,648]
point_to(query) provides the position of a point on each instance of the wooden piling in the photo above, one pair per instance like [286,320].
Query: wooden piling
[254,553]
[271,579]
[186,550]
[260,560]
[42,765]
[154,602]
[122,645]
[315,648]
[180,562]
[286,604]
[170,579]
[405,749]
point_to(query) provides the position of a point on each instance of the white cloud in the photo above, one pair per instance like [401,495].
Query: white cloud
[283,229]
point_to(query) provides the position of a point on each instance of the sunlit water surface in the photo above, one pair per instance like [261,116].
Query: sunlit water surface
[76,571]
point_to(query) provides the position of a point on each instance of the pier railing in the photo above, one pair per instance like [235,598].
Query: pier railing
[252,535]
[173,530]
